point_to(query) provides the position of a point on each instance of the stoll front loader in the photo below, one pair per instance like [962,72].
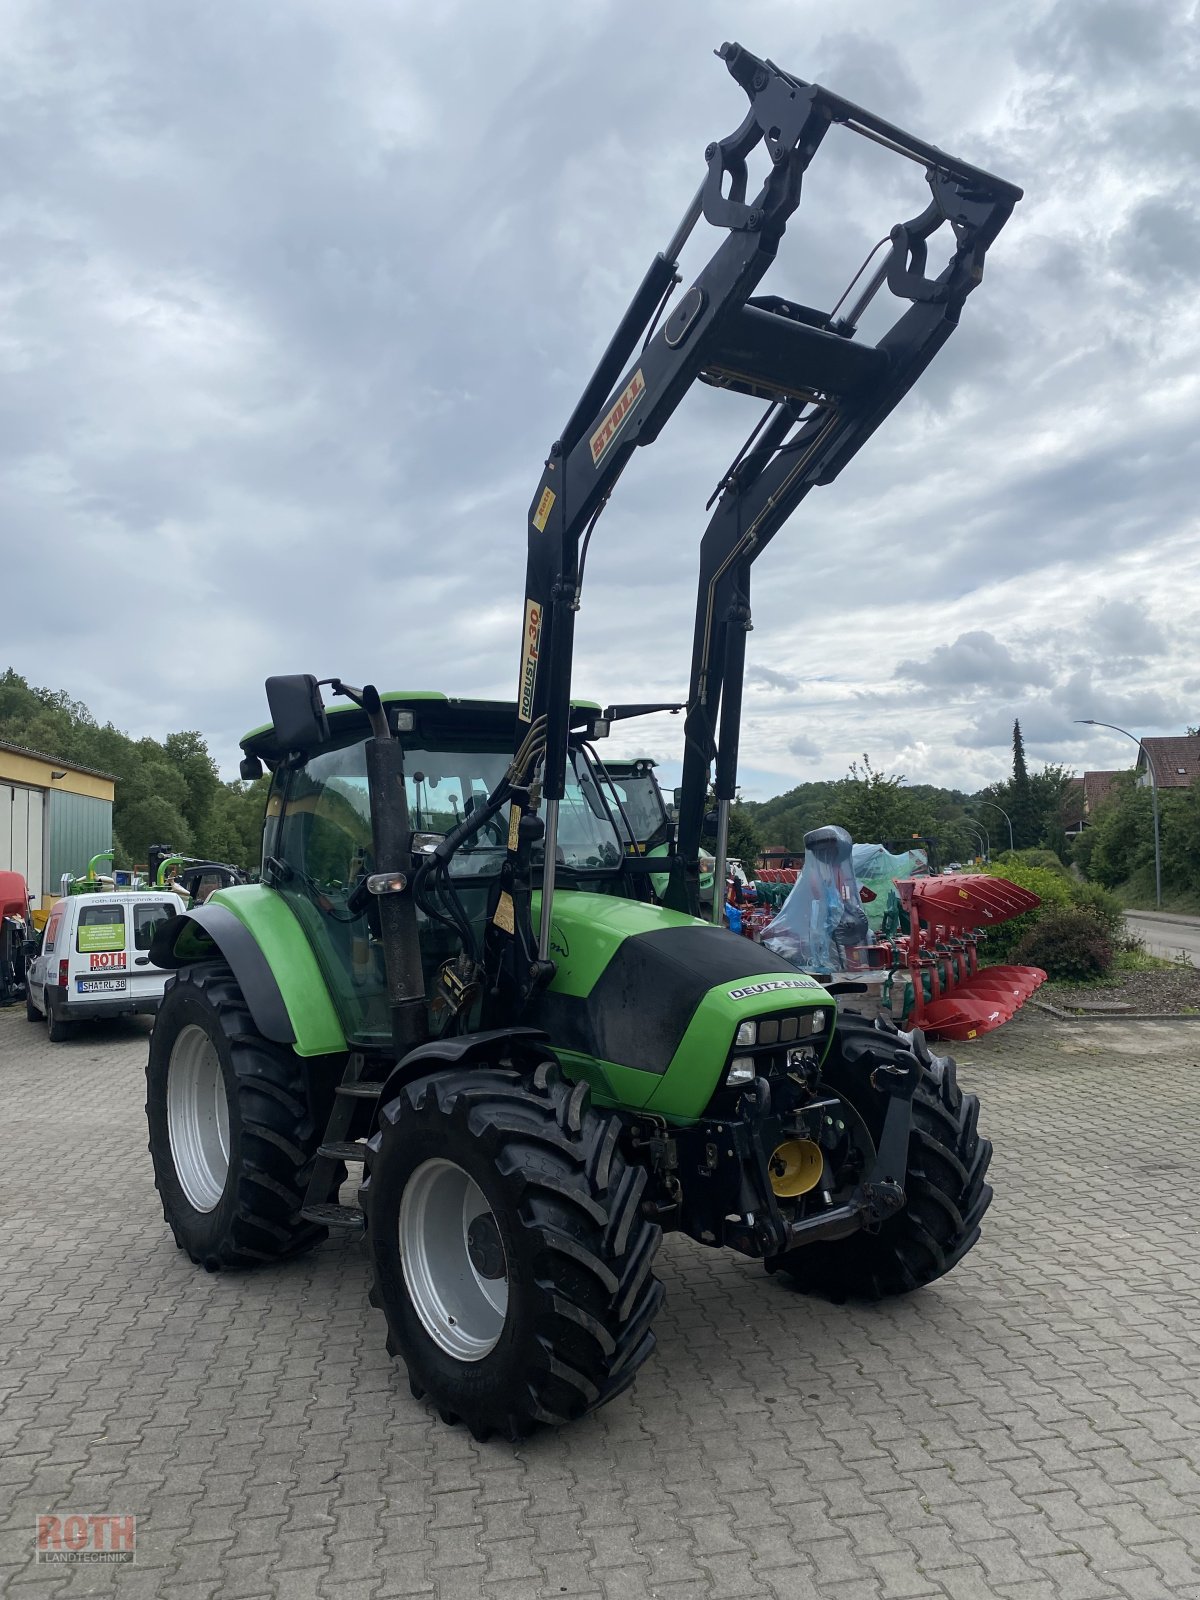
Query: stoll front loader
[449,975]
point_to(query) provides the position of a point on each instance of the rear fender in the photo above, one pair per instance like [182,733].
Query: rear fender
[251,930]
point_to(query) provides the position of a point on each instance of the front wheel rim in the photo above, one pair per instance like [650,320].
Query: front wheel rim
[456,1280]
[198,1118]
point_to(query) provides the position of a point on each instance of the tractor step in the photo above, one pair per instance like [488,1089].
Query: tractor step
[339,1150]
[360,1090]
[349,1218]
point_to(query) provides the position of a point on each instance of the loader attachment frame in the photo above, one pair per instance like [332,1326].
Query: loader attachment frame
[826,393]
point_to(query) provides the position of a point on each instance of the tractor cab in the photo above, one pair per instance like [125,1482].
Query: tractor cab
[318,848]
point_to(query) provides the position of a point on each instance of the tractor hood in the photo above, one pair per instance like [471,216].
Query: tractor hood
[645,1002]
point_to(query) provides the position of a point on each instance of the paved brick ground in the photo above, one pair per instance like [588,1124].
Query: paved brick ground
[1028,1429]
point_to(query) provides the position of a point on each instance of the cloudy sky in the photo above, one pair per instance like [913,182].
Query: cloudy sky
[297,293]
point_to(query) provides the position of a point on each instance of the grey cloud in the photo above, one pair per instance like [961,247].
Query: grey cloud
[804,749]
[1161,240]
[1141,710]
[976,658]
[1042,723]
[772,679]
[1111,38]
[1125,628]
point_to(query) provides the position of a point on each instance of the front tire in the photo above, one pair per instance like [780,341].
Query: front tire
[946,1195]
[232,1137]
[508,1248]
[32,1013]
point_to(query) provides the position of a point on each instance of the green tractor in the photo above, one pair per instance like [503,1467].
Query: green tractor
[646,825]
[451,976]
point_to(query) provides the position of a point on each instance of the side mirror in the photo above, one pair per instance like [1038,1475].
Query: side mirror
[297,712]
[250,768]
[677,795]
[30,947]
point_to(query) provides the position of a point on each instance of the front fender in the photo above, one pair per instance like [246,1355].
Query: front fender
[252,930]
[524,1046]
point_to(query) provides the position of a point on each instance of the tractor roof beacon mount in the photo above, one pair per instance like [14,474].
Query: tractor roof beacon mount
[825,395]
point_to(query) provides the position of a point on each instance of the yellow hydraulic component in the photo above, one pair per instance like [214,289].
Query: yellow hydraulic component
[796,1167]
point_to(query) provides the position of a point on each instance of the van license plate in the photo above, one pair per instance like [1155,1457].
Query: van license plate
[100,985]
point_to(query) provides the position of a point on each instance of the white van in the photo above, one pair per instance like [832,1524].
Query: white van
[93,959]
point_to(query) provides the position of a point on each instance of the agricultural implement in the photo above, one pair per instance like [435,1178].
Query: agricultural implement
[451,976]
[925,969]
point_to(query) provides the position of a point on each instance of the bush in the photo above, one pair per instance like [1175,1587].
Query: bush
[1067,944]
[1030,858]
[1107,910]
[1052,889]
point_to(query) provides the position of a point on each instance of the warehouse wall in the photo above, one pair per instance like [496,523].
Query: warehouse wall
[79,826]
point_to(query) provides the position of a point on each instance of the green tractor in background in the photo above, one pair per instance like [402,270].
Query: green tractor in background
[646,824]
[452,975]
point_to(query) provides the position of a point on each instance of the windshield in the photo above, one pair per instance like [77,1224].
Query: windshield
[329,814]
[643,805]
[587,839]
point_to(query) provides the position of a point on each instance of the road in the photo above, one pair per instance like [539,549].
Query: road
[1026,1429]
[1166,935]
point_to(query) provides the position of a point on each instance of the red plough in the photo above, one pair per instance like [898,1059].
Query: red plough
[952,996]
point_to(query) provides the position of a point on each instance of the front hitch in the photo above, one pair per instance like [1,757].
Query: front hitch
[729,1196]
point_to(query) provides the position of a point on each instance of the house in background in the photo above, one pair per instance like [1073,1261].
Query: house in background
[1176,761]
[54,816]
[1083,797]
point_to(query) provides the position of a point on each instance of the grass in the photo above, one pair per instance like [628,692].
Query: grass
[1137,894]
[1140,961]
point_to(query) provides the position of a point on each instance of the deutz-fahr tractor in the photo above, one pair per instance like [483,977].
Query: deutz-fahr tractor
[452,976]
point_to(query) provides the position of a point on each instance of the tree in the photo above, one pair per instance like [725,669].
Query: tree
[188,753]
[745,837]
[874,807]
[1022,809]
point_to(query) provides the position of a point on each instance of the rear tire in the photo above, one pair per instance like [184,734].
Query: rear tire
[508,1248]
[945,1188]
[232,1136]
[31,1011]
[56,1029]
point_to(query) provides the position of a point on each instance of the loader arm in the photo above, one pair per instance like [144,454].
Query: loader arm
[826,394]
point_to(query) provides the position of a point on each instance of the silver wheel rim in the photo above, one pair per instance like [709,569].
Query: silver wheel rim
[462,1310]
[198,1118]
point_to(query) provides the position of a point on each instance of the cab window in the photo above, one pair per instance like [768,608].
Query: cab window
[100,928]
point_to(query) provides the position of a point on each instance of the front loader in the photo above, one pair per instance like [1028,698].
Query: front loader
[452,976]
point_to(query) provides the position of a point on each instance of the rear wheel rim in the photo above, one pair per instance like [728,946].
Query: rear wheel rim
[198,1118]
[448,1245]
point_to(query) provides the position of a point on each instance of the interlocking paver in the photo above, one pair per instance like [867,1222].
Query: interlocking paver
[1027,1430]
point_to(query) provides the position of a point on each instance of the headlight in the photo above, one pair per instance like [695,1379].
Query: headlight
[747,1034]
[742,1068]
[818,1022]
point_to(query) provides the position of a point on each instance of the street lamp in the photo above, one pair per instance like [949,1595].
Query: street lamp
[981,840]
[1006,817]
[1090,722]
